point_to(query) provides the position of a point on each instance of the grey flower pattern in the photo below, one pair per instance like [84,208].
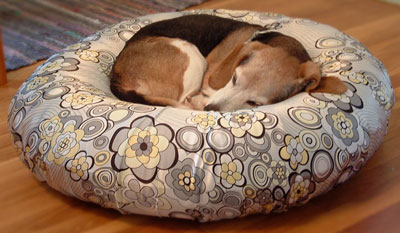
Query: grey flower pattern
[187,182]
[230,172]
[278,172]
[244,122]
[190,164]
[145,196]
[37,82]
[345,101]
[355,77]
[344,126]
[78,46]
[56,63]
[79,166]
[202,213]
[145,148]
[336,66]
[80,99]
[249,206]
[383,96]
[263,197]
[301,186]
[293,152]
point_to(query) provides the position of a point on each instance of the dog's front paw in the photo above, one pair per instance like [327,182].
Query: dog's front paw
[195,102]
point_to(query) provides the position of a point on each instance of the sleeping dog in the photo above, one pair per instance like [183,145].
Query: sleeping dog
[212,63]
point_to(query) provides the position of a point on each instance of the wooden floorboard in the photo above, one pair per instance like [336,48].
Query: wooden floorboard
[369,202]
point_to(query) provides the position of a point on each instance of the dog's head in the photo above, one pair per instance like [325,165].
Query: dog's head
[265,73]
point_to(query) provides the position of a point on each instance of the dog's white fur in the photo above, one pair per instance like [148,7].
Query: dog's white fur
[266,70]
[193,76]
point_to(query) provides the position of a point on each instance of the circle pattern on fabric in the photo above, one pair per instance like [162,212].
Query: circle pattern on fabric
[239,151]
[102,157]
[278,137]
[93,127]
[342,158]
[228,212]
[64,113]
[278,193]
[306,22]
[141,108]
[106,56]
[321,165]
[232,199]
[249,191]
[55,92]
[209,156]
[260,145]
[99,110]
[104,177]
[309,140]
[33,97]
[327,141]
[189,139]
[270,121]
[87,185]
[220,140]
[258,174]
[313,102]
[216,195]
[18,118]
[101,142]
[109,31]
[33,140]
[306,117]
[125,35]
[329,42]
[119,115]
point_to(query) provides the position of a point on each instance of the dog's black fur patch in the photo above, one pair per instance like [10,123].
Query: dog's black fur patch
[204,31]
[291,45]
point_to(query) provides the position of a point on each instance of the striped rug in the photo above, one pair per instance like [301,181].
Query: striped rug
[35,29]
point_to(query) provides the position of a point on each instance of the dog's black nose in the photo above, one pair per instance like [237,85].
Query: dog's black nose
[211,107]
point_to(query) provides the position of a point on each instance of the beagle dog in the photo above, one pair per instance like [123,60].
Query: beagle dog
[207,62]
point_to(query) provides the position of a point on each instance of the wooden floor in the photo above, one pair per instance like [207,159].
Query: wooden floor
[369,202]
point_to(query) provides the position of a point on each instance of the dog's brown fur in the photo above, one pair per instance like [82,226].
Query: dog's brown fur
[150,69]
[221,61]
[146,74]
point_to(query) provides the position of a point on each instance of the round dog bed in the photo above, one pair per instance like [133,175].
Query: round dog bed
[76,136]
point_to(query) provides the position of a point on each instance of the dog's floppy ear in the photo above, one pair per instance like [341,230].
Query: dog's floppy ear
[310,74]
[223,74]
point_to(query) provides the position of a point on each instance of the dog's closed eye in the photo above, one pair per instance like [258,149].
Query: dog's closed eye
[234,79]
[245,59]
[253,103]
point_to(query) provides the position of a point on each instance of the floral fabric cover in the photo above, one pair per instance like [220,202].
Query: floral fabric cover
[76,136]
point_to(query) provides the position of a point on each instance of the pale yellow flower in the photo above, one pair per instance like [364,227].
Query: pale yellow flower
[80,99]
[51,66]
[50,127]
[244,122]
[187,181]
[65,145]
[293,152]
[88,55]
[144,147]
[343,125]
[204,121]
[229,173]
[37,82]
